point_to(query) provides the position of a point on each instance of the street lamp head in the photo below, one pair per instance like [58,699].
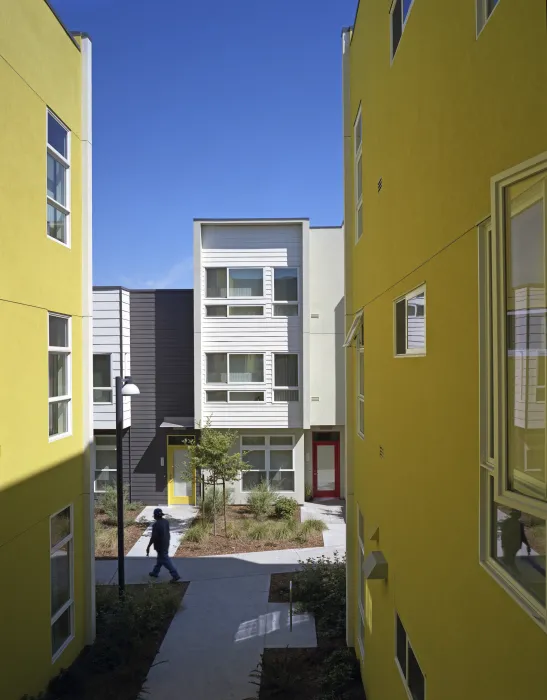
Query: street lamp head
[130,389]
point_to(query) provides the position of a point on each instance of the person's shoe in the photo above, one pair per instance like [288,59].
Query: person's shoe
[153,575]
[175,579]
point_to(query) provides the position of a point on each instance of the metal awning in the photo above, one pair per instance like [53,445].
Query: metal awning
[354,328]
[178,422]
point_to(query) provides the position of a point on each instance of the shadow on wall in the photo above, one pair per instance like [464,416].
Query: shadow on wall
[339,361]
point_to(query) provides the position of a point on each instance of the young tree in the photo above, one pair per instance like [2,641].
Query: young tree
[214,456]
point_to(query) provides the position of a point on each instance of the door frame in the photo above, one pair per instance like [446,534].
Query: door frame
[173,500]
[336,492]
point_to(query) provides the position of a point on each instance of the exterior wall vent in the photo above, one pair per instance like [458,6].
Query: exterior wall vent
[315,315]
[315,398]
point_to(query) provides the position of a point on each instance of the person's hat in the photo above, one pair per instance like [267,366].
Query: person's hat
[158,513]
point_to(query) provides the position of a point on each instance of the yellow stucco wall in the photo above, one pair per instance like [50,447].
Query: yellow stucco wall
[40,67]
[449,113]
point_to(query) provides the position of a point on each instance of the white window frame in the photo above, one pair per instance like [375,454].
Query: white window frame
[404,677]
[69,539]
[493,385]
[103,448]
[104,388]
[285,388]
[235,391]
[360,372]
[65,162]
[404,21]
[268,449]
[68,397]
[482,14]
[281,302]
[219,385]
[410,352]
[228,269]
[229,307]
[361,596]
[358,157]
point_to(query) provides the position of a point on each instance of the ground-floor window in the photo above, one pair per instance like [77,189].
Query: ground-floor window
[271,459]
[408,665]
[105,462]
[361,599]
[62,580]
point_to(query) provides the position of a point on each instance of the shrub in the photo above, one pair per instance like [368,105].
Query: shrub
[313,525]
[260,531]
[107,504]
[286,530]
[309,493]
[105,537]
[198,532]
[261,501]
[285,507]
[207,506]
[339,670]
[321,589]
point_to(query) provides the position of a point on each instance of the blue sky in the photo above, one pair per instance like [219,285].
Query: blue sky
[208,108]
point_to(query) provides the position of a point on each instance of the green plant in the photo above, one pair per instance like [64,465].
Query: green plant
[285,507]
[286,530]
[279,677]
[198,532]
[308,493]
[105,537]
[261,501]
[213,503]
[260,531]
[107,504]
[321,589]
[339,670]
[313,525]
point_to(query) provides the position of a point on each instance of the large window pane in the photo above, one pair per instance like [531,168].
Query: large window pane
[246,282]
[361,409]
[526,334]
[282,481]
[104,478]
[256,458]
[102,396]
[285,310]
[216,310]
[281,459]
[246,368]
[60,578]
[58,331]
[246,311]
[56,180]
[56,224]
[216,282]
[57,136]
[246,396]
[286,284]
[105,459]
[58,375]
[61,630]
[416,321]
[359,174]
[58,418]
[401,645]
[252,479]
[105,440]
[101,371]
[286,370]
[400,327]
[217,368]
[518,545]
[60,527]
[416,680]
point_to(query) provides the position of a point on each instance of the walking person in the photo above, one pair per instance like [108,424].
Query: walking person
[160,541]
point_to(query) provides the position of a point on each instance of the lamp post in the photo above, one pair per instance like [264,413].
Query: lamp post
[124,387]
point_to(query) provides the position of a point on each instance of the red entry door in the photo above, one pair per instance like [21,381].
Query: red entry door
[326,470]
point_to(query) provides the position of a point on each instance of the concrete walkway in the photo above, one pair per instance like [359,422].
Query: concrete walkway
[333,513]
[180,518]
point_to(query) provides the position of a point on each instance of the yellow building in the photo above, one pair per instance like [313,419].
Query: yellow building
[46,563]
[445,126]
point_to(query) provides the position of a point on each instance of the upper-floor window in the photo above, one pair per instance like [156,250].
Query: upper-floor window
[286,377]
[358,174]
[513,342]
[484,10]
[410,323]
[231,368]
[222,311]
[285,283]
[360,382]
[105,462]
[60,379]
[58,180]
[102,378]
[222,282]
[399,17]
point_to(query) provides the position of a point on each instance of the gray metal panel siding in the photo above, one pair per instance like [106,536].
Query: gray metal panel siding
[162,366]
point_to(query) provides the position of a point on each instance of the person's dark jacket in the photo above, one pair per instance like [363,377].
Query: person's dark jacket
[160,535]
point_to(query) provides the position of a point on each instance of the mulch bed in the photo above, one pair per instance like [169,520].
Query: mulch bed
[131,534]
[219,544]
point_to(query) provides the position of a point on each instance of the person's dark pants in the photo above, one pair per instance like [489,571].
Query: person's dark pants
[164,560]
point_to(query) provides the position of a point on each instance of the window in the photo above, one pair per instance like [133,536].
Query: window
[285,291]
[513,343]
[484,10]
[227,368]
[216,282]
[246,396]
[399,16]
[59,356]
[105,462]
[61,557]
[216,310]
[286,378]
[246,311]
[407,663]
[246,282]
[410,323]
[361,383]
[58,180]
[361,598]
[102,379]
[216,396]
[358,174]
[271,460]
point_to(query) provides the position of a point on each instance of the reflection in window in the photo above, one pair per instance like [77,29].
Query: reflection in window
[526,338]
[518,545]
[246,282]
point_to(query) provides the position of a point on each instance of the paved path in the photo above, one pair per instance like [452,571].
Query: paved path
[333,513]
[225,621]
[180,519]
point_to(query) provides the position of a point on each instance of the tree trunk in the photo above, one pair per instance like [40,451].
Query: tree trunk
[224,501]
[215,507]
[203,498]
